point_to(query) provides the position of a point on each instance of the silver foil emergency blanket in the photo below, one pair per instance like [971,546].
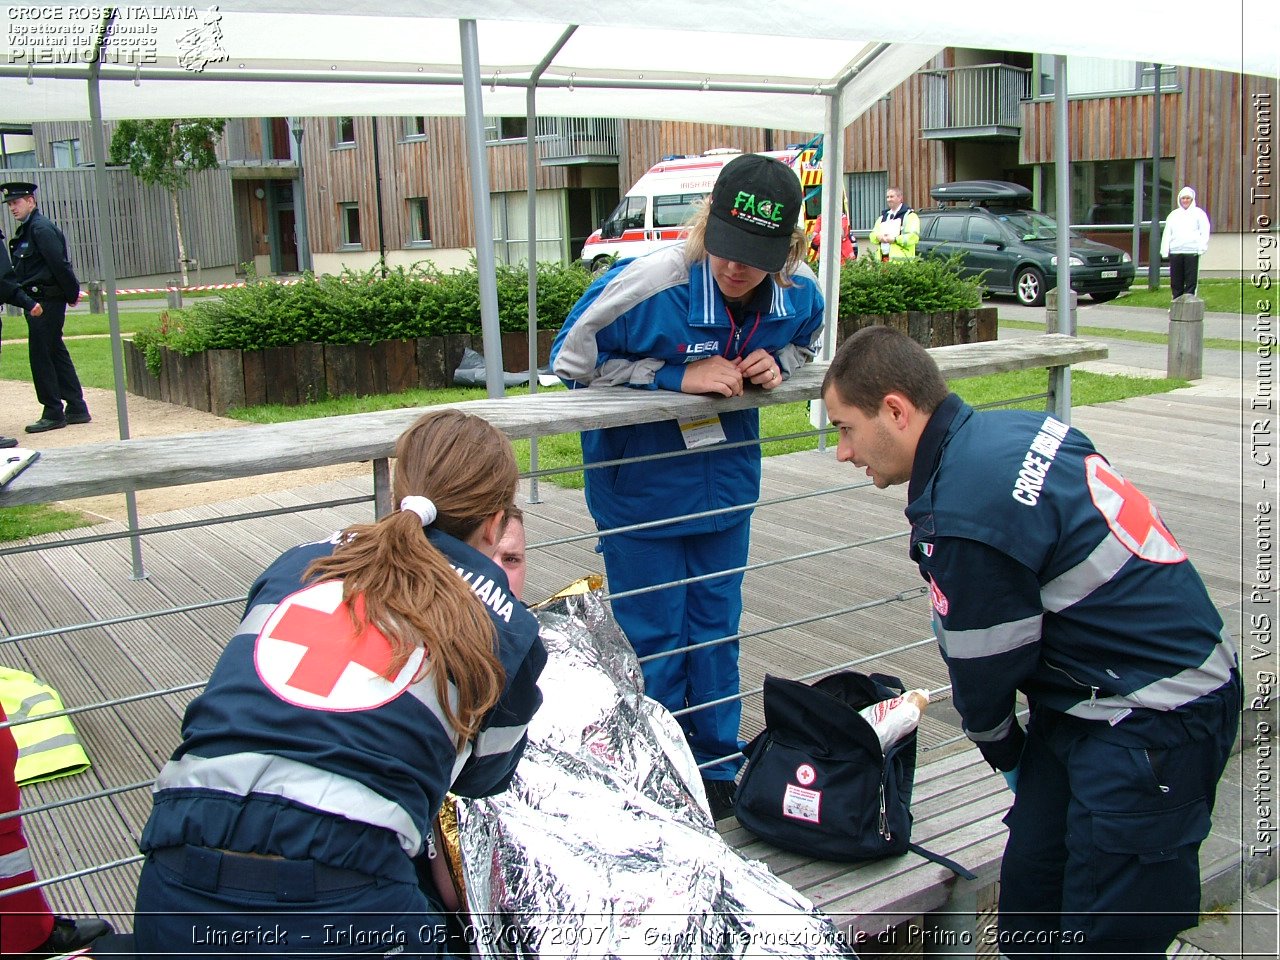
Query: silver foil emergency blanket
[603,847]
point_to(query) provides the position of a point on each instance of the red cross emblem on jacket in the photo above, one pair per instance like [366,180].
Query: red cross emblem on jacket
[310,654]
[1133,519]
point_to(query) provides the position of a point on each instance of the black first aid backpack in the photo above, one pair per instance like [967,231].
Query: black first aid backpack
[816,781]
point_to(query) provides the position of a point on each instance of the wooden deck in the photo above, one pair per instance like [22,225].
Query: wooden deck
[1183,449]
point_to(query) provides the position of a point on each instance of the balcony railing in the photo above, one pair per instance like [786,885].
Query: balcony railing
[980,101]
[564,141]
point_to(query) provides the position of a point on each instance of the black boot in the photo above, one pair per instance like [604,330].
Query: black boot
[720,797]
[71,935]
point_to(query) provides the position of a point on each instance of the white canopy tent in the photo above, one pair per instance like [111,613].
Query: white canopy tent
[742,62]
[814,67]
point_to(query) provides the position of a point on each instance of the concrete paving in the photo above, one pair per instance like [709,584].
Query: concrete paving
[1143,359]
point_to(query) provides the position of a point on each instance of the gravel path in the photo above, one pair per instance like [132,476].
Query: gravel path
[147,418]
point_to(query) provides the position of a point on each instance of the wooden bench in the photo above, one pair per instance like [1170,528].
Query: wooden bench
[959,804]
[124,465]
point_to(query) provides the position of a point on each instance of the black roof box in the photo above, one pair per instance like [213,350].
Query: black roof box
[982,191]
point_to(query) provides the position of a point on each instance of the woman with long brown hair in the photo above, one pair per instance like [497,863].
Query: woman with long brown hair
[372,672]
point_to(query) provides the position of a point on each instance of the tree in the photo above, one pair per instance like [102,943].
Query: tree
[164,153]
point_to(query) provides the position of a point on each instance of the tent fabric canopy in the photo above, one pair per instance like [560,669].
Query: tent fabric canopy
[735,62]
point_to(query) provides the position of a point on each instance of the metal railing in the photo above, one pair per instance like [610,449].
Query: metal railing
[519,416]
[577,140]
[981,99]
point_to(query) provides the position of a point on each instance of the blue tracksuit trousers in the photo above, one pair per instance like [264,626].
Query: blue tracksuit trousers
[670,620]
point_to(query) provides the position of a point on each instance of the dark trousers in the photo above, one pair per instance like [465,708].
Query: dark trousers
[193,901]
[57,386]
[1184,269]
[1104,839]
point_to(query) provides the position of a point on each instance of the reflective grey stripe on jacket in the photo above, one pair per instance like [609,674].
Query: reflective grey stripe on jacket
[988,641]
[579,356]
[995,734]
[1167,693]
[243,774]
[15,864]
[1094,571]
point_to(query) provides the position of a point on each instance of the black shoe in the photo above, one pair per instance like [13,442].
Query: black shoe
[720,796]
[44,423]
[71,935]
[79,417]
[7,442]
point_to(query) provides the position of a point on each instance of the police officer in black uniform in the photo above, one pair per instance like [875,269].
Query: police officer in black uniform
[11,292]
[39,252]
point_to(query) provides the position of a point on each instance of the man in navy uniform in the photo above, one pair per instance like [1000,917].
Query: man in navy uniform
[11,292]
[39,252]
[1052,575]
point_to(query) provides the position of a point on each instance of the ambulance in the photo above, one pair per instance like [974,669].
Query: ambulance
[653,211]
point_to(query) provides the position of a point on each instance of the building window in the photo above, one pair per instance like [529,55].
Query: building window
[415,128]
[1103,192]
[1091,76]
[419,222]
[349,214]
[505,128]
[864,193]
[345,131]
[67,153]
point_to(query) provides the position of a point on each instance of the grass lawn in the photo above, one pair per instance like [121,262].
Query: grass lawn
[88,324]
[1138,336]
[1219,295]
[92,359]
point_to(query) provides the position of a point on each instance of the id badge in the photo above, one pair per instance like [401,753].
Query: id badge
[701,431]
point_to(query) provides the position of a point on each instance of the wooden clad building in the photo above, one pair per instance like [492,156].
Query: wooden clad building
[327,193]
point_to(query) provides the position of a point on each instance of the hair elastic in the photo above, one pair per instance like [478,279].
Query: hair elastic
[422,506]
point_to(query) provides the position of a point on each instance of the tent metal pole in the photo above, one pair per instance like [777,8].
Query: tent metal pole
[1060,377]
[107,263]
[1153,234]
[486,266]
[531,174]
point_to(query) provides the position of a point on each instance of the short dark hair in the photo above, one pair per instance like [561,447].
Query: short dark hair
[879,360]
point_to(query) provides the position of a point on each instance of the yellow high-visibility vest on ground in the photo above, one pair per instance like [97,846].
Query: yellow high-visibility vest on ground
[46,748]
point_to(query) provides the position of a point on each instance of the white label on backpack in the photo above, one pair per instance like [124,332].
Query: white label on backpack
[801,804]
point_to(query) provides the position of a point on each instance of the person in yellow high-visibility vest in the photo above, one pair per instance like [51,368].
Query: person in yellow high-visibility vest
[47,747]
[897,229]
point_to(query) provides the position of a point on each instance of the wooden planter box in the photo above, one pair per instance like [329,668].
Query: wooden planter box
[929,329]
[217,380]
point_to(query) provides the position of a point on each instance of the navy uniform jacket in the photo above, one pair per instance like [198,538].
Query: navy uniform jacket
[10,289]
[300,749]
[638,325]
[1051,574]
[40,259]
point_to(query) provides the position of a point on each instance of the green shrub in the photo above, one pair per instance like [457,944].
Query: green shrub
[361,307]
[927,284]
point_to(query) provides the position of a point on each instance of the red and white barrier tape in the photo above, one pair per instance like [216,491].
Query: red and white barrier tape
[204,286]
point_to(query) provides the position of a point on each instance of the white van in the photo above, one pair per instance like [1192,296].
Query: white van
[651,214]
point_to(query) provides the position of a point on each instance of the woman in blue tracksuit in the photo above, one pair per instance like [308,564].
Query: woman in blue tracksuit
[371,673]
[733,306]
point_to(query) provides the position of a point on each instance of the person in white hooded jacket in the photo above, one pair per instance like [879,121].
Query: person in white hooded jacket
[1185,238]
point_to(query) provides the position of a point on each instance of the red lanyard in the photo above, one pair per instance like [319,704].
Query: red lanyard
[735,331]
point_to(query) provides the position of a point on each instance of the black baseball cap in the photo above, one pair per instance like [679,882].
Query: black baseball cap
[16,189]
[754,207]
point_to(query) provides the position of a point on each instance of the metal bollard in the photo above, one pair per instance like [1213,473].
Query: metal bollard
[1051,310]
[96,304]
[1186,338]
[175,294]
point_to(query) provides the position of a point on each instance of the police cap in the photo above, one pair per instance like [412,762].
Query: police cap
[16,189]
